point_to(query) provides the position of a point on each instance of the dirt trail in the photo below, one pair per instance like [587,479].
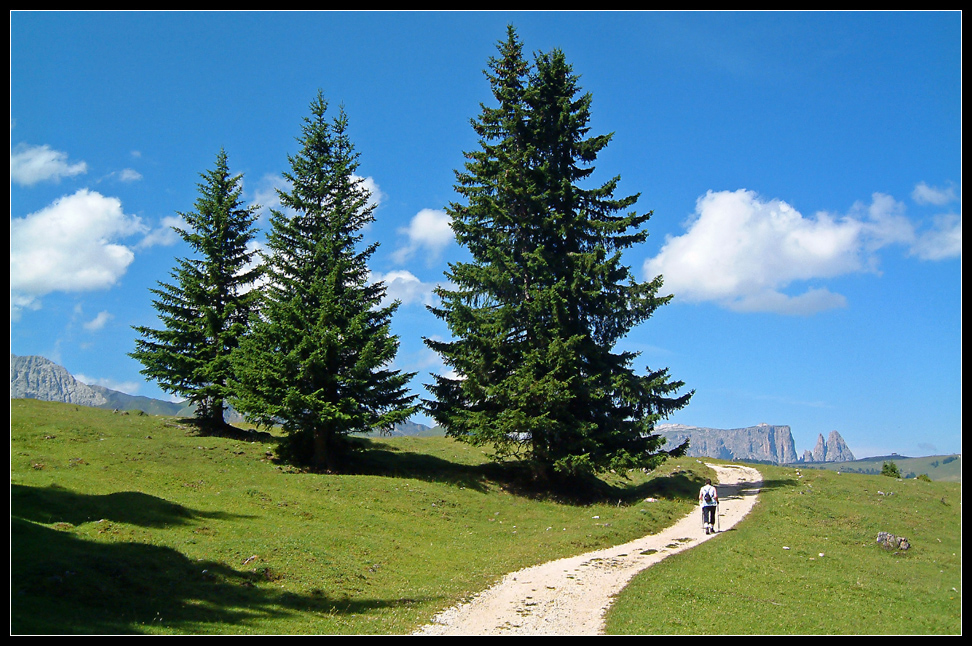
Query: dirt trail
[570,596]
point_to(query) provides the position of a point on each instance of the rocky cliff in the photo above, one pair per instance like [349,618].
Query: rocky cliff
[833,450]
[39,378]
[762,443]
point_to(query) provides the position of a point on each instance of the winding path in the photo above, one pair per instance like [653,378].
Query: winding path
[570,596]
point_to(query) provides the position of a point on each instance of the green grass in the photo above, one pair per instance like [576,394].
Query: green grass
[806,561]
[137,524]
[122,523]
[943,468]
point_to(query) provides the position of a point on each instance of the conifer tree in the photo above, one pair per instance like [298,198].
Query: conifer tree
[206,309]
[318,360]
[536,313]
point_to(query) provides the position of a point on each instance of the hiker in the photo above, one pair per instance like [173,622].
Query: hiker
[709,499]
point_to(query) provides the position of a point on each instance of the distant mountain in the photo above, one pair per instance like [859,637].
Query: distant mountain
[409,429]
[35,377]
[833,450]
[762,443]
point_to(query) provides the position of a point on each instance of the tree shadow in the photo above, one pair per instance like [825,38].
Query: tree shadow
[61,584]
[773,483]
[56,504]
[516,477]
[205,428]
[381,459]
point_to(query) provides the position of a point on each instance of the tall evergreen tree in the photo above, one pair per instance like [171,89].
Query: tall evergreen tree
[205,310]
[537,312]
[318,359]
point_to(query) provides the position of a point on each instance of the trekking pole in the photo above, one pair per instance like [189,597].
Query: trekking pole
[718,521]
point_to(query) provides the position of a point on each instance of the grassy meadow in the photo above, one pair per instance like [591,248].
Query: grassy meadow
[122,523]
[137,524]
[806,561]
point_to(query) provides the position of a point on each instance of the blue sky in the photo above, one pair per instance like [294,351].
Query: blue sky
[804,170]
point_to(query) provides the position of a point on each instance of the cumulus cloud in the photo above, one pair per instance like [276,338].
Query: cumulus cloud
[98,322]
[163,235]
[430,231]
[376,195]
[925,194]
[743,251]
[21,302]
[32,164]
[404,286]
[71,245]
[943,241]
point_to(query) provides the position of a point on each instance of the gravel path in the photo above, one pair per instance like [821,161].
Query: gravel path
[570,596]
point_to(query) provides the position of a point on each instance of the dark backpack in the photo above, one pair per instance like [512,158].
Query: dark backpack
[707,497]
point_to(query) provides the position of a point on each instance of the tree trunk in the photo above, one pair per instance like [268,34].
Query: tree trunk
[324,450]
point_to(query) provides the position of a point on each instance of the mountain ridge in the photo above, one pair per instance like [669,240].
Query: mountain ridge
[36,377]
[760,443]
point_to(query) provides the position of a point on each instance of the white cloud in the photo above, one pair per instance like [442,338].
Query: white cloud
[369,183]
[943,241]
[401,285]
[128,175]
[163,235]
[925,194]
[265,196]
[429,231]
[21,302]
[742,251]
[883,223]
[32,164]
[98,322]
[128,387]
[256,248]
[71,245]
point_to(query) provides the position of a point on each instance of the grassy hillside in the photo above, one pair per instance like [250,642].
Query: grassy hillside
[806,561]
[136,524]
[941,468]
[127,523]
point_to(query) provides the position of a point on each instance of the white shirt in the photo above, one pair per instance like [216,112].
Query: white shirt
[712,492]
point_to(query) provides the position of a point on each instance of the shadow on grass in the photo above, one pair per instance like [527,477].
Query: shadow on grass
[518,478]
[206,429]
[380,459]
[55,504]
[777,483]
[61,584]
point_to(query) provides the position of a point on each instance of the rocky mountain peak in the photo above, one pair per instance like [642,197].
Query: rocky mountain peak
[761,443]
[836,449]
[39,378]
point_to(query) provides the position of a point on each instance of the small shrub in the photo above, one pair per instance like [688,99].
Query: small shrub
[890,469]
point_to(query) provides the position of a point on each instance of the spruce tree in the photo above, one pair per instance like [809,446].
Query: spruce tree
[536,313]
[318,359]
[205,311]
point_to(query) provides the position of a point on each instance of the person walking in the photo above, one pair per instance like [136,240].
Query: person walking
[709,499]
